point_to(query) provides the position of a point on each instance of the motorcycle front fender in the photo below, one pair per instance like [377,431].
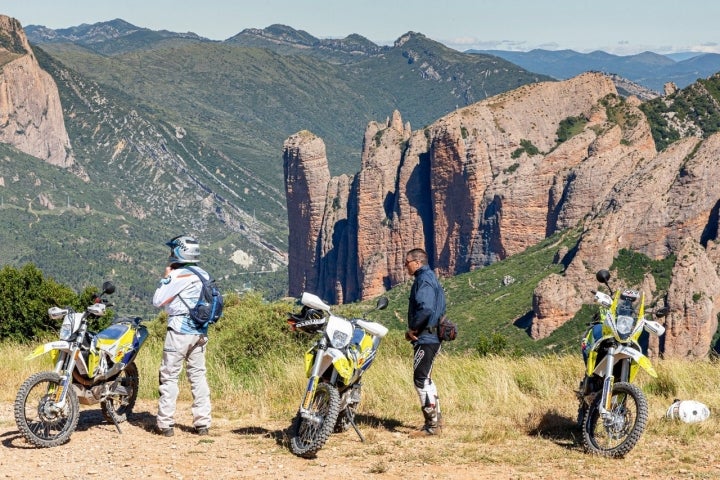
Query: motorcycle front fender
[49,347]
[624,351]
[316,362]
[638,358]
[342,364]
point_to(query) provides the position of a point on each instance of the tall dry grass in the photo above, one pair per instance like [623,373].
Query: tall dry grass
[498,397]
[515,417]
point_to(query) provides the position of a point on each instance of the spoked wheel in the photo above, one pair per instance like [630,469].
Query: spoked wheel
[619,432]
[309,433]
[38,417]
[117,408]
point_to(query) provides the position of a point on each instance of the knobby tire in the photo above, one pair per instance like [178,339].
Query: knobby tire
[40,426]
[306,436]
[631,413]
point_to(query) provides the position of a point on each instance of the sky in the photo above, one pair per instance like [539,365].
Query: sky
[621,27]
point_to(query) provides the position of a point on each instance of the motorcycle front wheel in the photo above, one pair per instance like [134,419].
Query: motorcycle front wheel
[117,407]
[38,418]
[617,433]
[309,433]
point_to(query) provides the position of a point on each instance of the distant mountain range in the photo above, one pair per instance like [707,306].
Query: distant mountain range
[649,69]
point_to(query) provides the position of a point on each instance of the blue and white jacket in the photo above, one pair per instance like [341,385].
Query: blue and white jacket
[180,282]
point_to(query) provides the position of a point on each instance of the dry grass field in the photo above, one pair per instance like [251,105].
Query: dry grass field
[507,418]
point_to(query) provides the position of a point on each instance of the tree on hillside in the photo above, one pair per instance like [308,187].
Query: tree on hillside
[25,296]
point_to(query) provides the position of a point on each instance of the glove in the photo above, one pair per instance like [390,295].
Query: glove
[411,335]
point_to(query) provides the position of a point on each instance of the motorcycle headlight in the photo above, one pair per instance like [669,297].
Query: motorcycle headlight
[71,322]
[66,329]
[339,339]
[625,325]
[339,331]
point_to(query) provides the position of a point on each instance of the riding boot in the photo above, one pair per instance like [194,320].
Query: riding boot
[431,416]
[431,423]
[430,408]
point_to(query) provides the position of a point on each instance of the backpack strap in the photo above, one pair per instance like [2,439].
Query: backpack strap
[197,274]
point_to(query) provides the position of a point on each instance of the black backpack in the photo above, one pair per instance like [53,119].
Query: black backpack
[209,307]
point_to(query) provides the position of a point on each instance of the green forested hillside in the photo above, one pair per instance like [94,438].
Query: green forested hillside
[246,101]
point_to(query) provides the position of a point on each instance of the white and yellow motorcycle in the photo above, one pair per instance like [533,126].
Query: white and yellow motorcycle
[613,411]
[334,365]
[88,369]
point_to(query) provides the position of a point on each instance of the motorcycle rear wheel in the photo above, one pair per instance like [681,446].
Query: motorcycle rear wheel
[116,409]
[308,436]
[618,435]
[37,421]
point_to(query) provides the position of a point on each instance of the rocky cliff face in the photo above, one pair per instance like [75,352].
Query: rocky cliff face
[489,180]
[31,117]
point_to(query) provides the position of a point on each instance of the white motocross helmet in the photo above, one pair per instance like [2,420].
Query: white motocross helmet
[688,411]
[184,249]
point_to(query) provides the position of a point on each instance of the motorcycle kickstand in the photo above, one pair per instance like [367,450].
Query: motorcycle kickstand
[111,411]
[351,419]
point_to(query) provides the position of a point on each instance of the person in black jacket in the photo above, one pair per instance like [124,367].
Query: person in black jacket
[426,306]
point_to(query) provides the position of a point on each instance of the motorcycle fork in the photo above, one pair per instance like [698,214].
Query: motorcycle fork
[608,383]
[65,378]
[313,380]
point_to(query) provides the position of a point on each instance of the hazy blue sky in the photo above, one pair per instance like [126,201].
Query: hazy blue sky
[621,27]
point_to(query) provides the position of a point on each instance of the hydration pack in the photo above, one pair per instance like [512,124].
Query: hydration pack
[209,307]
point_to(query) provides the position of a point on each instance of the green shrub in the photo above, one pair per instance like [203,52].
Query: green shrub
[495,344]
[26,297]
[512,168]
[632,267]
[252,329]
[570,127]
[529,148]
[525,146]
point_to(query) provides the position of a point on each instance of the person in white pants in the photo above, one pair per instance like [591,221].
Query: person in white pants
[185,342]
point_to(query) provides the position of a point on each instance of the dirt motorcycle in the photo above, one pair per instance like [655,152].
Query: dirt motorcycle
[89,368]
[334,365]
[613,411]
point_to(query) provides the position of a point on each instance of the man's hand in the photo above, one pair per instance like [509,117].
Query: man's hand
[411,335]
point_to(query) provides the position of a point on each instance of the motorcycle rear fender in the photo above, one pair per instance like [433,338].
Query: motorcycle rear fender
[49,347]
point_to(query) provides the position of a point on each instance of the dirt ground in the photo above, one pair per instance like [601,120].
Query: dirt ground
[250,448]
